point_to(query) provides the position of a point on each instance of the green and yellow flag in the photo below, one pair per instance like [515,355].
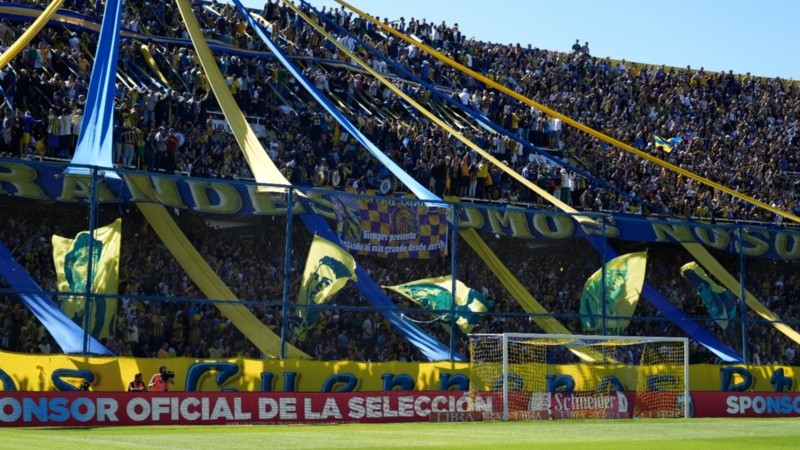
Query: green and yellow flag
[436,294]
[624,279]
[71,258]
[719,301]
[328,268]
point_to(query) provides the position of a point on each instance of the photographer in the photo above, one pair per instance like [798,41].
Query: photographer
[160,382]
[137,385]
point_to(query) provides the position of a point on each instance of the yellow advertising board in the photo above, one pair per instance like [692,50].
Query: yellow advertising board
[23,372]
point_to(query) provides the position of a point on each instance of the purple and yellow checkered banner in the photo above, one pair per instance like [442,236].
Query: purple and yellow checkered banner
[389,228]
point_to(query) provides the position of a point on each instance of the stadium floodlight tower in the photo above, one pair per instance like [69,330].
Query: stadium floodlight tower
[519,376]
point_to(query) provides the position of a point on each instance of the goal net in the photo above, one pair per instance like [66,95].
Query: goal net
[516,376]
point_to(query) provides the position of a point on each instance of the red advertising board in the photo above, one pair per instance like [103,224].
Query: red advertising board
[38,409]
[746,404]
[558,405]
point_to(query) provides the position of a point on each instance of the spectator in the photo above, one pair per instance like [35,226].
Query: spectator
[137,385]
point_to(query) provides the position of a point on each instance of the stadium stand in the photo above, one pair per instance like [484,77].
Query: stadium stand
[738,130]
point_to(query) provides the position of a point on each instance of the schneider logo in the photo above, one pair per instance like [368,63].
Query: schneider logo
[571,402]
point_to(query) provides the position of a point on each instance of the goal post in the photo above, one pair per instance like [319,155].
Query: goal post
[517,376]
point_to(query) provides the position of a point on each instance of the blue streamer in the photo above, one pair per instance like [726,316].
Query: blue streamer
[8,101]
[67,334]
[413,185]
[138,69]
[96,142]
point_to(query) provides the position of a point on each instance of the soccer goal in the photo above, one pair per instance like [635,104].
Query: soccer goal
[518,376]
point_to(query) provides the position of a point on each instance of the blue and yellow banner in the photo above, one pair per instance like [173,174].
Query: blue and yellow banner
[73,258]
[328,269]
[615,301]
[46,182]
[719,301]
[436,294]
[41,181]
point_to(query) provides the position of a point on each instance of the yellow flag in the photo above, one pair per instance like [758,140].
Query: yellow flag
[624,279]
[328,268]
[71,258]
[436,294]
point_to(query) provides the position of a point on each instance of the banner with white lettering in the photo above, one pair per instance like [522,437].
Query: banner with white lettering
[47,182]
[557,405]
[389,228]
[746,404]
[32,409]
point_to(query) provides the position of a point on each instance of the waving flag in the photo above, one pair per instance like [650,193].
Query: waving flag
[624,279]
[328,269]
[719,301]
[71,258]
[436,294]
[666,145]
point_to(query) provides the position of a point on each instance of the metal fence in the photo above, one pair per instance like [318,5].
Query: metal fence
[234,250]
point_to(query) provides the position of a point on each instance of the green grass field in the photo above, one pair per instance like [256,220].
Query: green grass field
[567,434]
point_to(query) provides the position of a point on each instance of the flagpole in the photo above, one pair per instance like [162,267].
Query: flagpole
[287,264]
[742,294]
[603,291]
[89,279]
[453,225]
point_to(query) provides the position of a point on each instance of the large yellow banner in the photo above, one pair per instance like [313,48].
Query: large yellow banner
[72,263]
[611,295]
[24,372]
[328,269]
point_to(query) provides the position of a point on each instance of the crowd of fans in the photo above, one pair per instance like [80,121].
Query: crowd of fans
[737,130]
[161,312]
